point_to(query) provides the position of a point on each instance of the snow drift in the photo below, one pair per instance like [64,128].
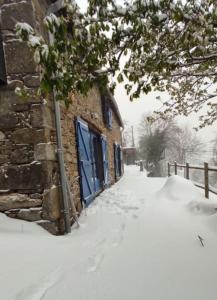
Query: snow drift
[177,188]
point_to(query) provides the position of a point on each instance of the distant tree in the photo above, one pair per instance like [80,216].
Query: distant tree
[184,145]
[213,175]
[152,146]
[154,140]
[215,151]
[165,140]
[127,135]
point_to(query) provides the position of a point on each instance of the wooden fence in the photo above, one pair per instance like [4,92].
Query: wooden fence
[187,167]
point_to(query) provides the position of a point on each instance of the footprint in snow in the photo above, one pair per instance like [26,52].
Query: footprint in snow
[119,235]
[38,291]
[95,263]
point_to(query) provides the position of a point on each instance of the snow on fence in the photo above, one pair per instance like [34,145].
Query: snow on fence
[187,167]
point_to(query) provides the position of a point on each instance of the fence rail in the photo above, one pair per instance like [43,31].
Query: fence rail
[187,167]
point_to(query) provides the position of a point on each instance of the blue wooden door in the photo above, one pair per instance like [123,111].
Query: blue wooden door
[105,161]
[85,161]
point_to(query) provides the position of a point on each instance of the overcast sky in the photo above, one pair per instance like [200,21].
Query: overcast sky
[133,111]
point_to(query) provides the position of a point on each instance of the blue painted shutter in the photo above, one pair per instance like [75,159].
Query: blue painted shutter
[105,160]
[85,161]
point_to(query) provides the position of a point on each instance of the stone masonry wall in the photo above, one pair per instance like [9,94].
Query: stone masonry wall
[28,165]
[90,110]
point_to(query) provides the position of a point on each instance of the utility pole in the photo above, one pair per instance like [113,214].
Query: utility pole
[133,143]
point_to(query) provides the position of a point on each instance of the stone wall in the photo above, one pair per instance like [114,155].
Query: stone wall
[28,165]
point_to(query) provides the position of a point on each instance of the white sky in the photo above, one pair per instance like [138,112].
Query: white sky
[133,111]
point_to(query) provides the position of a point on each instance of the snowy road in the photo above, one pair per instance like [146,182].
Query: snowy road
[138,241]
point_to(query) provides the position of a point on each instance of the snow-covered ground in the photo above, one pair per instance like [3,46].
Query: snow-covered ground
[138,240]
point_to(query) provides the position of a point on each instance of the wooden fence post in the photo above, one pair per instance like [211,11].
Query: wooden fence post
[206,179]
[168,169]
[175,166]
[187,171]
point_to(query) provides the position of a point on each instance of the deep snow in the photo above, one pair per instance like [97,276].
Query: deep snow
[138,240]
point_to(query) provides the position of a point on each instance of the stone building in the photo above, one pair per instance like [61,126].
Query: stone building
[30,178]
[130,155]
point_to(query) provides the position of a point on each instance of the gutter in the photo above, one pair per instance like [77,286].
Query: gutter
[63,180]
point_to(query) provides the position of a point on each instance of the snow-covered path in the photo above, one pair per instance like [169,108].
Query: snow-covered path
[138,240]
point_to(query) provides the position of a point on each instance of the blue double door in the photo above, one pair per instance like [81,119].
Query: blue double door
[92,161]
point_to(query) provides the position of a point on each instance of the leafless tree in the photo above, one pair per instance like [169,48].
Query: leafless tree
[164,140]
[127,135]
[184,145]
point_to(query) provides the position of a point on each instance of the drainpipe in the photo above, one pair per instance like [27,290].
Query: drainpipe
[62,166]
[60,154]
